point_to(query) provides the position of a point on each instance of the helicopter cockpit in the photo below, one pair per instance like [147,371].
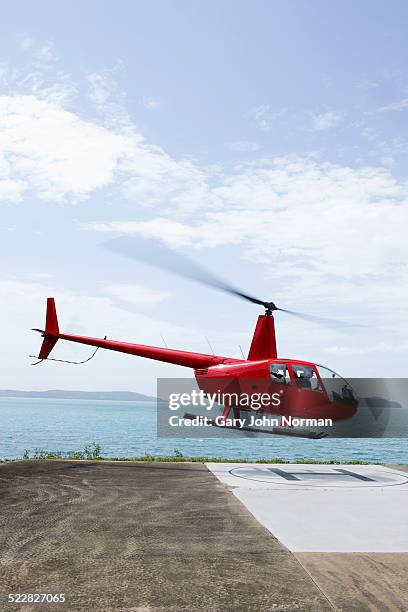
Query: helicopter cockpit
[315,378]
[338,389]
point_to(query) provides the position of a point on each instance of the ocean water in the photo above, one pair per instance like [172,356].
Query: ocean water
[125,429]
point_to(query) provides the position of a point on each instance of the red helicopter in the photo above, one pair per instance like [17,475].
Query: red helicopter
[307,390]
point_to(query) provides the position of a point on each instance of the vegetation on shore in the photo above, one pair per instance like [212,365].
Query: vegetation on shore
[93,452]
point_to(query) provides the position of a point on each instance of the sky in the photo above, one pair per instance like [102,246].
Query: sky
[266,139]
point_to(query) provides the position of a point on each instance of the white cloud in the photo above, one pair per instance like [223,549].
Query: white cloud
[25,41]
[41,76]
[101,86]
[244,146]
[388,161]
[45,54]
[150,103]
[4,73]
[367,84]
[136,294]
[110,100]
[385,149]
[326,120]
[367,349]
[52,152]
[154,178]
[324,228]
[263,116]
[40,276]
[401,105]
[319,228]
[371,133]
[315,218]
[173,233]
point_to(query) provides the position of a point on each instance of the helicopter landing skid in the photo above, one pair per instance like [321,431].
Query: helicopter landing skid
[275,431]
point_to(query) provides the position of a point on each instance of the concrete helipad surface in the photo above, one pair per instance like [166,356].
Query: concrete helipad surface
[157,537]
[325,508]
[141,537]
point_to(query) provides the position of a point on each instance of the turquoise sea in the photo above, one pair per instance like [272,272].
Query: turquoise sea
[129,429]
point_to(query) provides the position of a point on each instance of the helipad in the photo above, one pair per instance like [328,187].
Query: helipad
[307,476]
[324,508]
[175,538]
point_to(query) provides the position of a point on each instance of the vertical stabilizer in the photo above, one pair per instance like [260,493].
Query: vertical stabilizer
[51,321]
[263,345]
[51,332]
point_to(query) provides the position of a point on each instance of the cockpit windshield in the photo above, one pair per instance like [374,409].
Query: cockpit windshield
[337,388]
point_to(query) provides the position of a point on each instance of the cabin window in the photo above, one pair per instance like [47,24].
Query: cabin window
[306,377]
[279,373]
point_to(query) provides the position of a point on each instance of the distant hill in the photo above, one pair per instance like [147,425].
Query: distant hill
[123,396]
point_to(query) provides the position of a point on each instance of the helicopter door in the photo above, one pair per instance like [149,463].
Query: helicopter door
[279,373]
[306,377]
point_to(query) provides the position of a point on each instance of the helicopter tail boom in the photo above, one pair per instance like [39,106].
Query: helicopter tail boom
[188,359]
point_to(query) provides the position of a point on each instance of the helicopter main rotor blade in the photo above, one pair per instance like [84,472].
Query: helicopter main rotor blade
[165,258]
[320,320]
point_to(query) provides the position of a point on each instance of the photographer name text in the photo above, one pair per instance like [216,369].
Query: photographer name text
[253,421]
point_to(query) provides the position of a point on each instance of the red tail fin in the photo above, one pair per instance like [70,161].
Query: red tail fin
[51,321]
[51,332]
